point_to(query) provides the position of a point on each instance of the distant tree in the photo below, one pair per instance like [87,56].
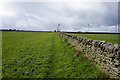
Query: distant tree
[14,29]
[79,31]
[10,29]
[54,30]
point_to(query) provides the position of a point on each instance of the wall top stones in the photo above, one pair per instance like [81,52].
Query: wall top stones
[105,46]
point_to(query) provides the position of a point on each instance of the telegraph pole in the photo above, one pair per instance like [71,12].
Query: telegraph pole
[88,27]
[116,28]
[58,28]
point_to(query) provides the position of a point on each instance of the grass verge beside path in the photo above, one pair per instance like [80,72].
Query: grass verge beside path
[66,65]
[43,55]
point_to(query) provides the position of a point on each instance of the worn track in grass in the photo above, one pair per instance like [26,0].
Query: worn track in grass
[43,55]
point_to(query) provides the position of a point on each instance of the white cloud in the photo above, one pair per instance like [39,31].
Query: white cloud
[6,10]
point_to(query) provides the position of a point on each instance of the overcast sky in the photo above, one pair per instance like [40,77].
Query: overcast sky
[73,16]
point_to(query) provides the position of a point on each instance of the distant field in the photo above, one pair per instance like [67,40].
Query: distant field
[113,38]
[43,55]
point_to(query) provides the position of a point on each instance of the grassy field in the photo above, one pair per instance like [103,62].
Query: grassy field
[113,38]
[43,55]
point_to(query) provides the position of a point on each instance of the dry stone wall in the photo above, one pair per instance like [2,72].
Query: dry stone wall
[105,55]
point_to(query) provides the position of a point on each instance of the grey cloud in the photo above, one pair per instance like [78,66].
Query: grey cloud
[46,16]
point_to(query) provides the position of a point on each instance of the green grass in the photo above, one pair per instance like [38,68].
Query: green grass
[113,38]
[43,55]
